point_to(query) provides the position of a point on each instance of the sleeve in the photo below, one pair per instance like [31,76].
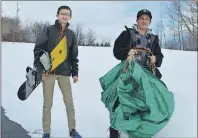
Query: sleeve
[158,53]
[74,57]
[41,43]
[121,46]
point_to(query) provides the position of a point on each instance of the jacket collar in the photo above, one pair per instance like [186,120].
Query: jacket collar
[58,25]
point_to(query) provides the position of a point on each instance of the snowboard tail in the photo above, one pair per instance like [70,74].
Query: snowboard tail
[47,64]
[24,91]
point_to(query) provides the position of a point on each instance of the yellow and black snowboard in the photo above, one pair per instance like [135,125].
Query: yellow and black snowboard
[34,75]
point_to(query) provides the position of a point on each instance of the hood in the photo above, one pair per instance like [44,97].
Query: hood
[135,27]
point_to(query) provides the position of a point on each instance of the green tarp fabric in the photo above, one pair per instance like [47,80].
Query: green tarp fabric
[139,104]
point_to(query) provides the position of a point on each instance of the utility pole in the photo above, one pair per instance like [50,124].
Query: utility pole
[17,12]
[15,29]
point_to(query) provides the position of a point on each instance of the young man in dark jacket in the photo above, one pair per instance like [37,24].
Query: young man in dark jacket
[141,37]
[47,41]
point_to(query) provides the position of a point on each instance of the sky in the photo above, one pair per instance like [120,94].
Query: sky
[106,18]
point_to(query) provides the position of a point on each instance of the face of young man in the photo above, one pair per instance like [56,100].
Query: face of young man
[64,16]
[143,22]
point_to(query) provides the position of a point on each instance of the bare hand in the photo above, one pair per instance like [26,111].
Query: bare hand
[132,52]
[44,76]
[152,59]
[75,79]
[129,58]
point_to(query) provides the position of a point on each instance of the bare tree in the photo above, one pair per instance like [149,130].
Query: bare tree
[28,33]
[38,26]
[184,17]
[160,30]
[80,36]
[188,16]
[90,38]
[31,30]
[157,29]
[174,14]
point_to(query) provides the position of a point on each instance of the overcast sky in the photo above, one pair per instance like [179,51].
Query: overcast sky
[106,18]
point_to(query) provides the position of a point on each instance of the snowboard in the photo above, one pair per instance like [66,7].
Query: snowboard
[47,63]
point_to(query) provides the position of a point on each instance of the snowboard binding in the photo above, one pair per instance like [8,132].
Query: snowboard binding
[41,65]
[31,76]
[46,62]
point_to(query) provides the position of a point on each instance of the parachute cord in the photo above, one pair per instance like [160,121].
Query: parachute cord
[151,65]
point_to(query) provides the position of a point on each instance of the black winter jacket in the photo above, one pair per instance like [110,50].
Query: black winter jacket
[121,49]
[49,38]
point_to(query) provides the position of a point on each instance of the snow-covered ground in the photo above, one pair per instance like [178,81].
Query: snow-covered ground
[179,71]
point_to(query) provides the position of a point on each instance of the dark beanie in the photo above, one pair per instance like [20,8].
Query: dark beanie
[144,11]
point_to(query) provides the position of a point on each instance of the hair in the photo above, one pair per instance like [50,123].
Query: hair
[64,7]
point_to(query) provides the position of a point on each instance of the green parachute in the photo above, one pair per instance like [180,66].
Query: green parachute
[140,105]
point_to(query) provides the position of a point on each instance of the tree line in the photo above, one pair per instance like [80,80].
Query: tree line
[14,31]
[180,33]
